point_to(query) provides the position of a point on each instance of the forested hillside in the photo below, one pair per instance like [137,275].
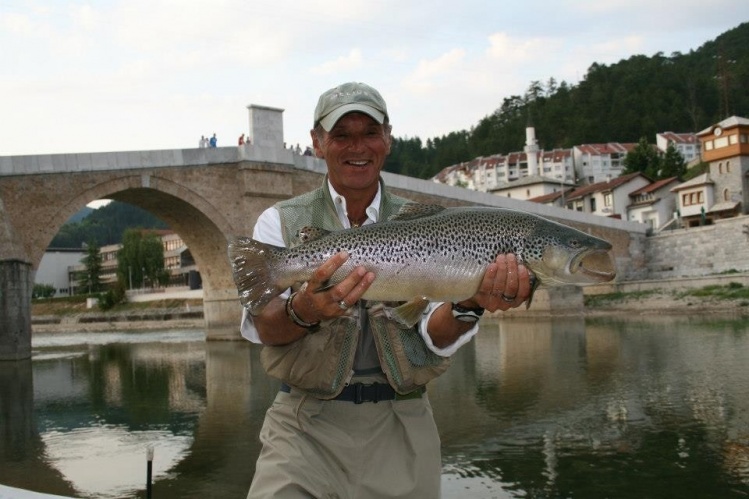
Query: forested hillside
[105,225]
[623,102]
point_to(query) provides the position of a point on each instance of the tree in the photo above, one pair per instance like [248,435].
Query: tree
[140,261]
[43,291]
[672,163]
[644,159]
[90,278]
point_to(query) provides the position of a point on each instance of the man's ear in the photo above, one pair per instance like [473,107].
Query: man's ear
[316,143]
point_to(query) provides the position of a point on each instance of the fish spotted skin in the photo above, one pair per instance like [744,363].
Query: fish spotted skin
[425,253]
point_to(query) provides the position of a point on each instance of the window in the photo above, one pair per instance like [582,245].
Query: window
[733,139]
[592,204]
[721,142]
[607,199]
[720,168]
[728,167]
[726,196]
[708,145]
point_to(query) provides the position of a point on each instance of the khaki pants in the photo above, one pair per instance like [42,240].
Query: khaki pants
[336,449]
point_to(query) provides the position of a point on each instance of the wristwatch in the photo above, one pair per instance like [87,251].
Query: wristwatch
[466,314]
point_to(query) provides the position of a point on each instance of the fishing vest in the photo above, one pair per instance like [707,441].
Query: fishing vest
[321,363]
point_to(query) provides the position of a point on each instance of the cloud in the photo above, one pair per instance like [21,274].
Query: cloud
[347,62]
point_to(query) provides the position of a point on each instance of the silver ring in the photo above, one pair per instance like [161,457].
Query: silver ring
[508,299]
[343,305]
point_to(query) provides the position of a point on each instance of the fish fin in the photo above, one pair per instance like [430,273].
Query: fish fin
[412,211]
[324,286]
[410,312]
[535,283]
[307,234]
[253,272]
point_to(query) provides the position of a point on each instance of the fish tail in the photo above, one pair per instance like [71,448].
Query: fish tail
[254,274]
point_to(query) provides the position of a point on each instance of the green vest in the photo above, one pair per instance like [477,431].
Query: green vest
[322,363]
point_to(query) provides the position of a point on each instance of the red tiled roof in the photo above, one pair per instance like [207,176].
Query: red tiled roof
[658,184]
[604,186]
[679,138]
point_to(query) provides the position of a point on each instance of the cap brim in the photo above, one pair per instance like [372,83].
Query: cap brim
[329,121]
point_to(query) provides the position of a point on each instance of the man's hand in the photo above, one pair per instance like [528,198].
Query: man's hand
[315,305]
[506,284]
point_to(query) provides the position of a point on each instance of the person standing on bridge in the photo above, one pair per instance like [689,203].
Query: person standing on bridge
[353,419]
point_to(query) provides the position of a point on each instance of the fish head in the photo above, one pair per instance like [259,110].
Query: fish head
[563,255]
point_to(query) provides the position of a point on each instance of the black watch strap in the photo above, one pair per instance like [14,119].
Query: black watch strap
[466,314]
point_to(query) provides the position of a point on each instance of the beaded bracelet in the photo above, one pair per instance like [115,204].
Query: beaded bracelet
[309,326]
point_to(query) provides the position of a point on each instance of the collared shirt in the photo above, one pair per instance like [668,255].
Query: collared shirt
[268,230]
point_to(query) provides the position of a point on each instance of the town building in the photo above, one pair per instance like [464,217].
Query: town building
[61,267]
[723,191]
[53,269]
[595,163]
[653,204]
[610,198]
[685,144]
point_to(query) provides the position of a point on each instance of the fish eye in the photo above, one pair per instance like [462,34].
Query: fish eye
[574,243]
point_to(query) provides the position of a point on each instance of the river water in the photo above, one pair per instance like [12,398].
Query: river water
[640,408]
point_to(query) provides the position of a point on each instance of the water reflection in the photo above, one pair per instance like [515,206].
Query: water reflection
[530,408]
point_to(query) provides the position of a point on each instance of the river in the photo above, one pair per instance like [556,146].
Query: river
[581,408]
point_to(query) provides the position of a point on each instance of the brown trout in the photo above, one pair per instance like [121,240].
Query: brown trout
[424,253]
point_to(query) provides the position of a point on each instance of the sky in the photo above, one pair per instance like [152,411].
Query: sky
[123,75]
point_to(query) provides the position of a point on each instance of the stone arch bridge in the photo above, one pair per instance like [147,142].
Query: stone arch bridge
[205,195]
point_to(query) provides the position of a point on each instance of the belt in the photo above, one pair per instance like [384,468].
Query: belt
[359,393]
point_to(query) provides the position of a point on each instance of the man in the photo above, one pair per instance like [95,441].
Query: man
[352,418]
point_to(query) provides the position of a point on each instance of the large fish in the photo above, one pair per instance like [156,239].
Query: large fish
[424,253]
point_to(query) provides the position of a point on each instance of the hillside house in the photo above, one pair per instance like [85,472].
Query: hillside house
[723,191]
[686,144]
[597,163]
[653,204]
[609,199]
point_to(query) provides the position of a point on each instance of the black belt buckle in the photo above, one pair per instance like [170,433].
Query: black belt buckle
[365,393]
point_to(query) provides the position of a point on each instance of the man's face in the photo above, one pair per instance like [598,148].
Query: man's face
[355,151]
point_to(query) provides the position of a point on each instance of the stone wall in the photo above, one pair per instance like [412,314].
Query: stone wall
[699,251]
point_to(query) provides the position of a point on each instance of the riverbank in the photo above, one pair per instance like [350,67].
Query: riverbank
[72,315]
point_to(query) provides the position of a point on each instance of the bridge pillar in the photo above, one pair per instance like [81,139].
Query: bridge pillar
[222,313]
[15,310]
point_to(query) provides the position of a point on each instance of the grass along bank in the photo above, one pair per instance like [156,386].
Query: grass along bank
[733,297]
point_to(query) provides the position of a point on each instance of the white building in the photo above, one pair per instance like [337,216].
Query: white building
[597,163]
[609,199]
[654,204]
[685,143]
[53,269]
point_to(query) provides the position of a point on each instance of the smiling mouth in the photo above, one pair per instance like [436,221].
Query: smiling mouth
[358,163]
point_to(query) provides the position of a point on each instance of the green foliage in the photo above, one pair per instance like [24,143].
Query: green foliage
[605,299]
[672,163]
[43,291]
[105,226]
[89,280]
[643,159]
[731,291]
[622,102]
[112,297]
[140,261]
